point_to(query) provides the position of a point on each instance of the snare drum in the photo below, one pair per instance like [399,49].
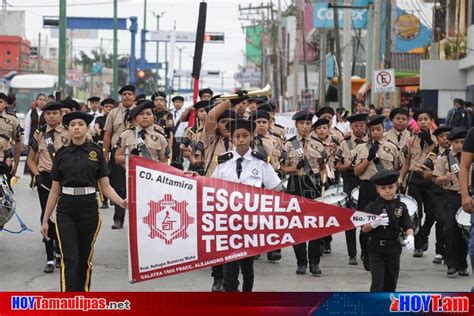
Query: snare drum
[7,202]
[338,199]
[464,220]
[334,189]
[412,207]
[355,196]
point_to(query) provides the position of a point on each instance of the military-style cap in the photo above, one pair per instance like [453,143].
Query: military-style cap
[260,114]
[107,101]
[228,114]
[236,101]
[70,103]
[53,106]
[202,104]
[127,88]
[396,111]
[140,107]
[204,91]
[320,122]
[177,98]
[234,125]
[3,97]
[442,129]
[358,117]
[140,97]
[93,99]
[421,111]
[385,177]
[158,94]
[325,110]
[303,116]
[268,106]
[77,115]
[457,133]
[376,120]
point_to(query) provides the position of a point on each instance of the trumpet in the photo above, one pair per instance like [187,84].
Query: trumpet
[267,92]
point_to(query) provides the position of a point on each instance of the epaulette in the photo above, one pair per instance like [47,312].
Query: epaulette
[316,139]
[277,135]
[261,156]
[8,139]
[278,125]
[224,157]
[156,129]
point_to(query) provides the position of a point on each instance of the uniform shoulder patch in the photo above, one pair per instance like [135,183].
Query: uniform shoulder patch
[224,157]
[158,130]
[261,156]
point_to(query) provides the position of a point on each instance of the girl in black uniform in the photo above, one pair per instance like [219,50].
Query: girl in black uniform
[76,170]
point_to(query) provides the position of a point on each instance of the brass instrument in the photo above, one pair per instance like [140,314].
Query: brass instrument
[267,92]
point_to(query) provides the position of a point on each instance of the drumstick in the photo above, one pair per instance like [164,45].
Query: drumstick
[324,181]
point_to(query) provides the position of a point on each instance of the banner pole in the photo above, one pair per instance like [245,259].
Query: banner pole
[127,156]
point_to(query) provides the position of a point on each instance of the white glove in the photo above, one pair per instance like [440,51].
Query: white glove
[410,242]
[381,222]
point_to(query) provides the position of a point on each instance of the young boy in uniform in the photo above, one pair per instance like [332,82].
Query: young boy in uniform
[383,245]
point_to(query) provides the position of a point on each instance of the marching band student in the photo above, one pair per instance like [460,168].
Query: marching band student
[43,146]
[275,129]
[144,138]
[419,146]
[399,134]
[446,174]
[371,158]
[344,157]
[327,113]
[245,166]
[383,245]
[304,165]
[77,169]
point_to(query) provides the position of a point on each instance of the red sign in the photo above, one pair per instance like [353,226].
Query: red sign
[180,222]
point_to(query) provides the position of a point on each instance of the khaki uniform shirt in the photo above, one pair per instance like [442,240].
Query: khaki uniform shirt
[387,153]
[273,147]
[214,145]
[442,167]
[5,149]
[155,142]
[418,155]
[400,141]
[10,126]
[349,145]
[313,152]
[38,144]
[277,130]
[115,122]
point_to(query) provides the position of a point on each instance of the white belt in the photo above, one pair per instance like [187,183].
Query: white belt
[79,191]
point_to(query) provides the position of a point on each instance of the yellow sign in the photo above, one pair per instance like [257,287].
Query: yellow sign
[407,27]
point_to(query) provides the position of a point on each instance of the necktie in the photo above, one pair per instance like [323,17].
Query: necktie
[399,137]
[303,141]
[238,167]
[226,144]
[125,117]
[51,133]
[359,141]
[142,134]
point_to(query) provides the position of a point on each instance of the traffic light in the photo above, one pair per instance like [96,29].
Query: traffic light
[141,74]
[214,38]
[141,78]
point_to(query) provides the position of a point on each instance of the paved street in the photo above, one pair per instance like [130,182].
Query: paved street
[23,259]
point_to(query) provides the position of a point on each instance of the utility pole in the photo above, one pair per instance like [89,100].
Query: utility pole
[280,59]
[275,59]
[338,52]
[180,50]
[158,16]
[369,67]
[347,70]
[296,61]
[115,58]
[38,54]
[323,42]
[377,43]
[388,35]
[62,46]
[303,45]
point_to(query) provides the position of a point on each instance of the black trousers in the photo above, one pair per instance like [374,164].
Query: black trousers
[44,186]
[177,158]
[231,275]
[439,195]
[79,223]
[384,265]
[455,244]
[350,182]
[303,186]
[367,194]
[422,191]
[117,179]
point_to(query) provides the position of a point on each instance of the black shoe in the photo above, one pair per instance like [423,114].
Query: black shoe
[438,259]
[104,206]
[418,253]
[273,256]
[314,269]
[425,246]
[366,264]
[301,269]
[117,224]
[327,248]
[57,262]
[463,272]
[353,261]
[218,285]
[49,268]
[451,271]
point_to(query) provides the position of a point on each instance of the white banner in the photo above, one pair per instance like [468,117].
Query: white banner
[284,119]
